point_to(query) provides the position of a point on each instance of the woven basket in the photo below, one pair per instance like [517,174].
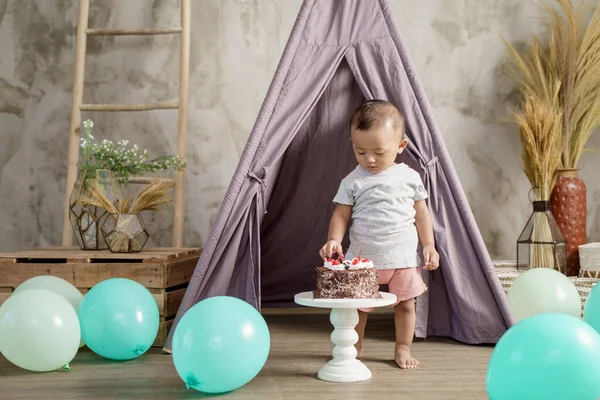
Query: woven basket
[589,258]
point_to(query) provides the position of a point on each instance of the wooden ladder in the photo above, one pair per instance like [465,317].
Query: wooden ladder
[77,107]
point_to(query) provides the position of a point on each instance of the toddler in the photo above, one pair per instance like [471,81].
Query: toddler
[386,203]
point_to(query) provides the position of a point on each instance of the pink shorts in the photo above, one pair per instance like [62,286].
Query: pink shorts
[405,283]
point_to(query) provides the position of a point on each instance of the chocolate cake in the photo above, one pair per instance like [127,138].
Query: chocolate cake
[341,279]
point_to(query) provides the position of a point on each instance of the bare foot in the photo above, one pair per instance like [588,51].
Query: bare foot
[404,360]
[358,350]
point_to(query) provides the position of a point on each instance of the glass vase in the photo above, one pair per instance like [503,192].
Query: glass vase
[125,233]
[541,243]
[87,219]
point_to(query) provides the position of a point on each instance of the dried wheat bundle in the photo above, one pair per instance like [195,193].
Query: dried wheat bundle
[97,198]
[571,54]
[540,133]
[153,195]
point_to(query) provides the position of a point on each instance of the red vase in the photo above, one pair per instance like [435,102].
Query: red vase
[568,204]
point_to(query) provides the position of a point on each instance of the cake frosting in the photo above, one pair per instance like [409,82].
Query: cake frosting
[355,263]
[347,279]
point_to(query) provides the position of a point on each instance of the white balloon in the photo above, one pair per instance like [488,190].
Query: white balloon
[57,285]
[39,330]
[541,290]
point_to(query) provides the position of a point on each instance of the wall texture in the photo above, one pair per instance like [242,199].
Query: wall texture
[236,45]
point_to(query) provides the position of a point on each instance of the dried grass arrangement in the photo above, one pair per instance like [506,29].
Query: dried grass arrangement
[545,88]
[540,133]
[124,231]
[571,55]
[539,124]
[148,199]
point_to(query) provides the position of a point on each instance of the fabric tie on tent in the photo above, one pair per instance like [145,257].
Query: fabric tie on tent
[426,165]
[263,185]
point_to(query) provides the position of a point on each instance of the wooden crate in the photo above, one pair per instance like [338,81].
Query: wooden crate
[165,272]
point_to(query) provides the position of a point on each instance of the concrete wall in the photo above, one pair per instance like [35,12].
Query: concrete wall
[236,45]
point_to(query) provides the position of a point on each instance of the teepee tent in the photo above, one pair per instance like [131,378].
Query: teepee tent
[263,246]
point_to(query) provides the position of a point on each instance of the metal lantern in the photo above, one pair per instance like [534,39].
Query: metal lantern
[541,244]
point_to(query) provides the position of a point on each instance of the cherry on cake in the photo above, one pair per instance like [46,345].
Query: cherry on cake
[347,279]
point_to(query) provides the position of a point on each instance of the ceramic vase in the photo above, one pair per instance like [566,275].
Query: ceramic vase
[568,204]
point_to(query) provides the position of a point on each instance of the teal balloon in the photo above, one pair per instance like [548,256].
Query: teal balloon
[591,309]
[220,344]
[119,319]
[547,356]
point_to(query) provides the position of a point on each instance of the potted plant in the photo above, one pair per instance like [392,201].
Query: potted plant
[123,230]
[107,166]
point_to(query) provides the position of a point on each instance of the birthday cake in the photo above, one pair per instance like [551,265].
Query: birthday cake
[347,279]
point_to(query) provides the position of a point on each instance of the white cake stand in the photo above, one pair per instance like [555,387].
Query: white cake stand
[344,367]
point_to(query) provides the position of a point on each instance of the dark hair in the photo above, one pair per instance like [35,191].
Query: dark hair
[372,113]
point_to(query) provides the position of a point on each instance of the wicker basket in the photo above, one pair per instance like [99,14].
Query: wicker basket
[589,258]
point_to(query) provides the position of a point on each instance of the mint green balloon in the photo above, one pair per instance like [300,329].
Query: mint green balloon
[542,290]
[547,356]
[220,344]
[119,319]
[57,285]
[39,330]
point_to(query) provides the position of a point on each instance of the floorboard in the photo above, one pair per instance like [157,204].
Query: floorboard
[299,347]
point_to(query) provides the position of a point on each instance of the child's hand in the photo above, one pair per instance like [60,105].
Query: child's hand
[431,258]
[329,248]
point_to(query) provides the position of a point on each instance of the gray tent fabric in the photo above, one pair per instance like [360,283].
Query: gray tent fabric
[263,245]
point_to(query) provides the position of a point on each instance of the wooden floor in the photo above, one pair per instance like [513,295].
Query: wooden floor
[299,347]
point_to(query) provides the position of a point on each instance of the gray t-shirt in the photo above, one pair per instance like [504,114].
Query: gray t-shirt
[383,215]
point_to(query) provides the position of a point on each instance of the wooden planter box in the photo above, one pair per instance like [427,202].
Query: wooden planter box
[165,272]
